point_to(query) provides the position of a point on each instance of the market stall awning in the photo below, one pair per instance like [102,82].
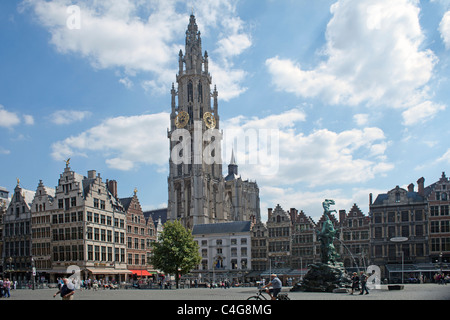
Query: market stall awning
[142,272]
[424,267]
[108,271]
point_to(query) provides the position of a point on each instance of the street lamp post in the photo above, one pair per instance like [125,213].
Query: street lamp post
[10,266]
[400,240]
[33,272]
[403,261]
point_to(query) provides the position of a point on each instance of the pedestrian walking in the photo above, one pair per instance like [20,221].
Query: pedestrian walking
[363,279]
[67,290]
[1,288]
[7,288]
[355,282]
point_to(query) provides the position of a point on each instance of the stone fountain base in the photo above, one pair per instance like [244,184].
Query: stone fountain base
[325,277]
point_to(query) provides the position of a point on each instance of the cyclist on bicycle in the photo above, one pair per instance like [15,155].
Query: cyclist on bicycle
[275,282]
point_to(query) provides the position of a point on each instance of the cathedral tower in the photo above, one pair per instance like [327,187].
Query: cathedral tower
[195,182]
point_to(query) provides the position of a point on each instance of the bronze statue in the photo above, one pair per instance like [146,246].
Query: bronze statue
[329,274]
[326,207]
[327,235]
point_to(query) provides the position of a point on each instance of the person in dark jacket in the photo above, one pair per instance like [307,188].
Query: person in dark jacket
[67,290]
[363,279]
[355,282]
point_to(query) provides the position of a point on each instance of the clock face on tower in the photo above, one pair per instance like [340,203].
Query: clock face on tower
[209,119]
[182,119]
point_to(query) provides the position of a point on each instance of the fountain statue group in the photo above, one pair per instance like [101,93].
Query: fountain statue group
[329,274]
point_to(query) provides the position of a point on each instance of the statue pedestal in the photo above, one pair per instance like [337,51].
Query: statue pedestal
[325,277]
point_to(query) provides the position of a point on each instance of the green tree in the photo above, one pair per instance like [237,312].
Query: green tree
[175,252]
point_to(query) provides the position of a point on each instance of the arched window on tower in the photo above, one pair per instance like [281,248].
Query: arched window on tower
[191,114]
[179,202]
[190,92]
[200,92]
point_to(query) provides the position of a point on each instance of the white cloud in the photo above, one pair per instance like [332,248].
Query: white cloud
[445,157]
[361,119]
[124,142]
[444,28]
[234,42]
[8,119]
[229,81]
[110,33]
[4,151]
[29,120]
[121,164]
[321,158]
[422,112]
[373,54]
[234,39]
[126,82]
[141,36]
[64,117]
[311,201]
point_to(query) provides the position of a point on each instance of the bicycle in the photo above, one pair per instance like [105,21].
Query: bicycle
[260,296]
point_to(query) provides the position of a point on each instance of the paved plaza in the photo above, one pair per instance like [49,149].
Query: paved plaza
[410,292]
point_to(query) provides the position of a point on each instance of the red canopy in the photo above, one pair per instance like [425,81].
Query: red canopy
[141,272]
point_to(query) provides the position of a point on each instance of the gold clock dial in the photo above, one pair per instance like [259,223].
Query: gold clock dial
[209,119]
[182,119]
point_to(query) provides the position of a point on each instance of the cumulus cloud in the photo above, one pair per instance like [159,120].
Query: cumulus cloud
[4,151]
[422,112]
[361,119]
[311,201]
[320,158]
[373,56]
[444,28]
[124,142]
[143,36]
[64,117]
[445,157]
[9,119]
[28,119]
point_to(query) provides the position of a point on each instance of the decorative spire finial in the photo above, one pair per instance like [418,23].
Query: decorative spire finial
[233,160]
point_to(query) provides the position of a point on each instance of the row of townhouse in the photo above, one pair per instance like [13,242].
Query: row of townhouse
[406,234]
[286,244]
[410,230]
[81,227]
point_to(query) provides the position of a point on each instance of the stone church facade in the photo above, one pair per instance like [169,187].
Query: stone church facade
[198,191]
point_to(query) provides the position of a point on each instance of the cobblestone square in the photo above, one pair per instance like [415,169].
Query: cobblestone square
[410,292]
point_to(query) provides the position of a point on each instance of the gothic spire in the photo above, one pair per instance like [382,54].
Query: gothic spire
[193,57]
[233,160]
[232,167]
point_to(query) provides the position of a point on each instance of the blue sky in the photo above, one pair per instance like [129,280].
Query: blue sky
[357,89]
